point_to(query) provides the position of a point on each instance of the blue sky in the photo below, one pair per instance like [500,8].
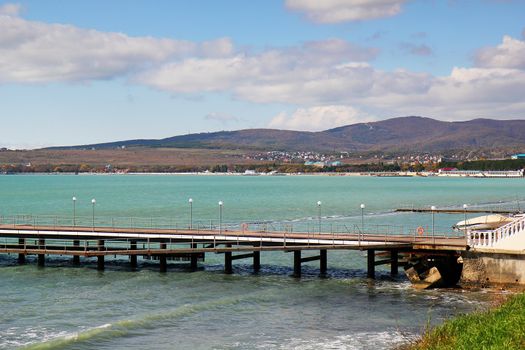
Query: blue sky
[76,72]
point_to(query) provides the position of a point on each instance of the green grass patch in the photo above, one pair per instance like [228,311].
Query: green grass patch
[499,328]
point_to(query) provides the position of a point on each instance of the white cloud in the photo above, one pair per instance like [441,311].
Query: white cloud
[276,75]
[319,118]
[509,54]
[336,11]
[464,94]
[330,75]
[40,52]
[304,77]
[10,9]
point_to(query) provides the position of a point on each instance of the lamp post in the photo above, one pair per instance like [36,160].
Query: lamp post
[74,211]
[93,202]
[220,216]
[465,215]
[362,216]
[319,214]
[433,208]
[191,212]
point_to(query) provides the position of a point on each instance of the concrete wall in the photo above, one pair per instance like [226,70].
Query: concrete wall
[485,268]
[515,242]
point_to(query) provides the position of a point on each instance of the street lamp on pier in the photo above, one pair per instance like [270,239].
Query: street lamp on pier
[433,209]
[93,202]
[74,211]
[465,206]
[319,214]
[362,216]
[220,216]
[191,212]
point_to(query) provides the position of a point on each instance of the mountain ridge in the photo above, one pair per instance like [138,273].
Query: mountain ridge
[400,133]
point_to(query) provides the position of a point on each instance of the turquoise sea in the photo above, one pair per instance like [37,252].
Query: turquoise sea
[66,307]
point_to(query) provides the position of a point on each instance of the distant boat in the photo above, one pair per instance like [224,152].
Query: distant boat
[486,222]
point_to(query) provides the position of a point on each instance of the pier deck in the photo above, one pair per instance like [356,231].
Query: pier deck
[192,244]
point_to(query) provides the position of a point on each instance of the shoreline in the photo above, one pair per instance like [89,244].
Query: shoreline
[327,174]
[464,331]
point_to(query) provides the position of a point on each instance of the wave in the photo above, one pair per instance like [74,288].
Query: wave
[125,328]
[360,340]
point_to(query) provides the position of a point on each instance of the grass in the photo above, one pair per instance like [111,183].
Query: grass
[499,328]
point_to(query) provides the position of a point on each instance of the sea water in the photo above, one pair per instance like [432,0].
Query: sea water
[66,307]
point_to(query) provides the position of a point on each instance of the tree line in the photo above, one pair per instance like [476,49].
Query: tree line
[506,164]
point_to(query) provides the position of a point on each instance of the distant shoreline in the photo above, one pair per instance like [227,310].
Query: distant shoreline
[324,174]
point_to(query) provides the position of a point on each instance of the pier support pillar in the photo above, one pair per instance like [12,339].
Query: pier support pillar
[256,261]
[297,263]
[21,256]
[162,259]
[228,267]
[323,261]
[194,258]
[133,257]
[100,258]
[394,263]
[371,271]
[76,258]
[41,260]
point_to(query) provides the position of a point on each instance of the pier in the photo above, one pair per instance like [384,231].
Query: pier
[44,236]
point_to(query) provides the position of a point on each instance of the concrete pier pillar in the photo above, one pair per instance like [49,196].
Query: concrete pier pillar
[21,256]
[41,260]
[323,261]
[100,258]
[228,266]
[371,271]
[194,258]
[297,263]
[394,263]
[76,258]
[133,257]
[162,259]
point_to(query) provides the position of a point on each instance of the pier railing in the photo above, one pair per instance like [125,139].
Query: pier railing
[259,226]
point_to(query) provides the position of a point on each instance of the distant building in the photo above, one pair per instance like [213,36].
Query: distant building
[481,173]
[518,156]
[445,170]
[317,164]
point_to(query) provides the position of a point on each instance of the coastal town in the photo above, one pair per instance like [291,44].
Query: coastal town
[266,163]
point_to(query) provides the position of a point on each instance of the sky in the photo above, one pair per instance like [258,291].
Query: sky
[89,71]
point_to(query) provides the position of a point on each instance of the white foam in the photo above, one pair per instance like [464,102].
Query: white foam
[17,337]
[355,341]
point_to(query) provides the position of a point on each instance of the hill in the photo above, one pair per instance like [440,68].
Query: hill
[396,134]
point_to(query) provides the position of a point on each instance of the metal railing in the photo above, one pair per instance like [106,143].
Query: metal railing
[285,227]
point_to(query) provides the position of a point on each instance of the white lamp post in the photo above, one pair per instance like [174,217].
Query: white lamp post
[74,211]
[191,212]
[93,202]
[433,208]
[465,215]
[362,216]
[220,216]
[319,214]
